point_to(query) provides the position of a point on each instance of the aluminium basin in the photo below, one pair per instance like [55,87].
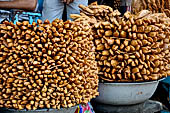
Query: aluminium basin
[126,93]
[62,110]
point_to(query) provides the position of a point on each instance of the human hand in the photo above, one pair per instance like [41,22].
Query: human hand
[67,1]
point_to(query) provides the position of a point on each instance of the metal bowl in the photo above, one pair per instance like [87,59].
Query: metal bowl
[62,110]
[125,93]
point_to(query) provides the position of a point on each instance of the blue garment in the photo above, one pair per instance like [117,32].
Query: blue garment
[53,9]
[40,5]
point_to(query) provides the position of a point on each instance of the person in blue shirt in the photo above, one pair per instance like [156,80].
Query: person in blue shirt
[53,9]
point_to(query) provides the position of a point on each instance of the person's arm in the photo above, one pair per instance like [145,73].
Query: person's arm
[68,1]
[28,5]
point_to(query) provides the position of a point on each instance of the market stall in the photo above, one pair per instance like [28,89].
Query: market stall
[119,59]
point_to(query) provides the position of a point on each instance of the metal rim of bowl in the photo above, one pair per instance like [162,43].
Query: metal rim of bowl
[40,110]
[133,83]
